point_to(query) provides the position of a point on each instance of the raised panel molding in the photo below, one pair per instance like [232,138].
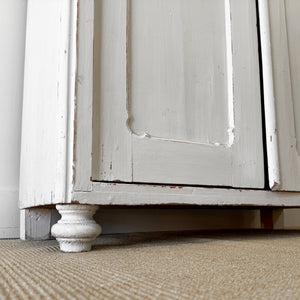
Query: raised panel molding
[179,102]
[180,71]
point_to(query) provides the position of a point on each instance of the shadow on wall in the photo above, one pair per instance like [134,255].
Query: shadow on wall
[12,45]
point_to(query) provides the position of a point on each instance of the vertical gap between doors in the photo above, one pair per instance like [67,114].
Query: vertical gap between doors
[262,100]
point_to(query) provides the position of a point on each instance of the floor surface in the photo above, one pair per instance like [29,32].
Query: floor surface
[210,265]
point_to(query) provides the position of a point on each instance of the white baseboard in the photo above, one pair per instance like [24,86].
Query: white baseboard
[288,219]
[9,214]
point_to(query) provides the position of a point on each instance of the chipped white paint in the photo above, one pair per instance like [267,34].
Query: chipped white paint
[46,172]
[139,194]
[76,230]
[269,98]
[169,109]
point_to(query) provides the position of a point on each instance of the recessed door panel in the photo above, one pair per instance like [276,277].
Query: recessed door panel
[178,70]
[176,93]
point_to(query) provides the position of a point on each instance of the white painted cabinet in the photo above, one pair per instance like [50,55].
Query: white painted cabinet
[153,102]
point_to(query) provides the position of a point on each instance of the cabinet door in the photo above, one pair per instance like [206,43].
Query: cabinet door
[284,90]
[176,93]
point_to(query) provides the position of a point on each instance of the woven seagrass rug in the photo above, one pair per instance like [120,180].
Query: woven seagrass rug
[210,265]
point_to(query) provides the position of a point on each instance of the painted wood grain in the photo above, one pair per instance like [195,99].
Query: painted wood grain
[269,97]
[139,194]
[178,70]
[111,141]
[84,97]
[48,103]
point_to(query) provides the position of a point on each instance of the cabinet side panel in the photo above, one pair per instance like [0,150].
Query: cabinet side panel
[178,70]
[45,170]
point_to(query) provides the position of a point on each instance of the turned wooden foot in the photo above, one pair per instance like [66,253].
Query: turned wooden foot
[76,230]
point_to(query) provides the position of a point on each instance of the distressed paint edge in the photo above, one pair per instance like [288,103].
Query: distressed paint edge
[269,96]
[71,111]
[139,194]
[28,198]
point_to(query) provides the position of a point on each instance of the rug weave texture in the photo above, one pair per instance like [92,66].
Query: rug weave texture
[244,265]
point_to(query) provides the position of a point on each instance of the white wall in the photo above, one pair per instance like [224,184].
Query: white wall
[12,39]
